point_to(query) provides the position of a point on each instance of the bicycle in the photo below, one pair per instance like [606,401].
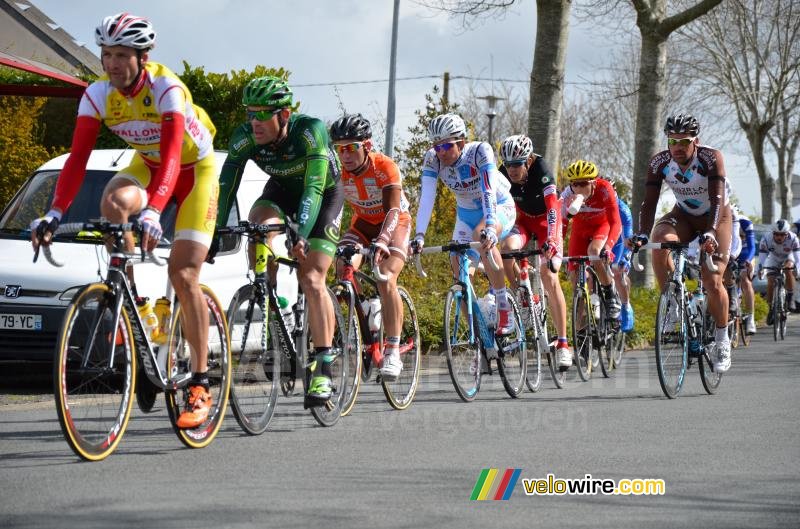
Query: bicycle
[360,300]
[736,328]
[778,306]
[684,327]
[592,331]
[279,354]
[101,342]
[467,335]
[533,310]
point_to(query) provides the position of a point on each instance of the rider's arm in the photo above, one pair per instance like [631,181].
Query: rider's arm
[427,196]
[160,188]
[550,195]
[564,216]
[487,168]
[647,212]
[71,177]
[627,225]
[230,176]
[612,213]
[392,192]
[749,243]
[796,254]
[716,187]
[763,251]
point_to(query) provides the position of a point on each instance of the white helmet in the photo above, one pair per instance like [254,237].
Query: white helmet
[447,126]
[518,147]
[124,29]
[781,226]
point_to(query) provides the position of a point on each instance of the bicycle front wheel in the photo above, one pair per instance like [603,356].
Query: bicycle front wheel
[255,359]
[463,354]
[533,338]
[400,392]
[346,298]
[776,311]
[512,359]
[671,341]
[784,313]
[219,371]
[711,379]
[93,378]
[582,332]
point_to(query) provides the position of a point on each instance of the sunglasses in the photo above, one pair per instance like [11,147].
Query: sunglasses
[261,115]
[348,147]
[684,142]
[444,146]
[515,163]
[580,183]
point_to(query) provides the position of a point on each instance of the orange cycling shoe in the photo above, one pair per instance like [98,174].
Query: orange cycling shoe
[199,406]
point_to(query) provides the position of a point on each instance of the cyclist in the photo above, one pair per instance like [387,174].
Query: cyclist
[533,189]
[596,225]
[780,248]
[148,106]
[796,308]
[373,189]
[304,184]
[485,210]
[696,175]
[745,263]
[622,265]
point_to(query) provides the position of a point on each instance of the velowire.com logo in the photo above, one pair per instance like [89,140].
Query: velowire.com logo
[495,484]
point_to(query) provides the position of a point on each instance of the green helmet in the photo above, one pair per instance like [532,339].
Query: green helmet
[267,91]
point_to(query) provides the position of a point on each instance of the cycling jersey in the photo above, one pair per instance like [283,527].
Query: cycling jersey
[749,241]
[364,192]
[158,110]
[302,167]
[474,179]
[700,189]
[537,196]
[773,254]
[598,218]
[621,252]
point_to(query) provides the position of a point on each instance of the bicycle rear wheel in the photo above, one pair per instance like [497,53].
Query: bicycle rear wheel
[255,366]
[400,393]
[512,360]
[329,414]
[582,332]
[93,379]
[710,378]
[463,356]
[776,311]
[533,338]
[784,313]
[346,298]
[618,348]
[219,371]
[671,341]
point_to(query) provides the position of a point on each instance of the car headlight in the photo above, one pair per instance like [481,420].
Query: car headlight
[69,293]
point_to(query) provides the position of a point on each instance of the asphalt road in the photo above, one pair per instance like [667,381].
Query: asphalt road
[728,460]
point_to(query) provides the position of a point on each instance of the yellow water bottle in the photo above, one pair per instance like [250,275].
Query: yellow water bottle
[148,317]
[163,313]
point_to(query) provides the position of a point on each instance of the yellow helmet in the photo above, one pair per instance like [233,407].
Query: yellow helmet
[581,170]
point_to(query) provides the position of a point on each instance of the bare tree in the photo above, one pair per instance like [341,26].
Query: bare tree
[749,55]
[549,60]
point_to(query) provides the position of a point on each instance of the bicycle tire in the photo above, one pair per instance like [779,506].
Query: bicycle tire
[400,393]
[460,353]
[146,393]
[533,338]
[710,378]
[618,343]
[512,360]
[219,372]
[255,360]
[603,335]
[346,298]
[582,334]
[329,414]
[558,375]
[671,362]
[93,401]
[784,313]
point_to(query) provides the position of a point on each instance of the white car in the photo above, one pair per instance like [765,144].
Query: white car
[33,296]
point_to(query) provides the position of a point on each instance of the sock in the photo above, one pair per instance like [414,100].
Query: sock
[392,345]
[200,379]
[501,299]
[324,360]
[562,342]
[721,334]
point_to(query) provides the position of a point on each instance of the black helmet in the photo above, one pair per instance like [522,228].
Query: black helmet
[682,124]
[351,127]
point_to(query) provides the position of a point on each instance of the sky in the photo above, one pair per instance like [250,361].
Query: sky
[334,42]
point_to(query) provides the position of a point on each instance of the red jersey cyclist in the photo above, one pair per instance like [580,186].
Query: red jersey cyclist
[533,189]
[595,227]
[148,106]
[373,189]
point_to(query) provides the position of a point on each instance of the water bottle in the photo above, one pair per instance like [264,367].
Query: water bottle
[488,308]
[374,320]
[163,314]
[698,297]
[575,205]
[148,317]
[595,299]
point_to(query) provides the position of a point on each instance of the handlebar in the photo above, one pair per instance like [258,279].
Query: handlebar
[349,251]
[709,261]
[450,247]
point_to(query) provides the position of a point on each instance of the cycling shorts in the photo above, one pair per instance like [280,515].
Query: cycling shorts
[364,232]
[583,234]
[469,219]
[687,227]
[196,192]
[325,234]
[529,227]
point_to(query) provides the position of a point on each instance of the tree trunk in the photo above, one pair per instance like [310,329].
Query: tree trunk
[756,137]
[547,78]
[648,135]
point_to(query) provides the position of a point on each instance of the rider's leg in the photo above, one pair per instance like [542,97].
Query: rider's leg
[513,242]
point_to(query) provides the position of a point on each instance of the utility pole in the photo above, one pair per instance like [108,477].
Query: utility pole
[446,88]
[390,110]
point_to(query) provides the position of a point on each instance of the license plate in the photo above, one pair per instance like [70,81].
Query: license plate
[21,322]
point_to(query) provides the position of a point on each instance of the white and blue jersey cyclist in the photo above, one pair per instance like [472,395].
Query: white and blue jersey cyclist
[484,208]
[622,265]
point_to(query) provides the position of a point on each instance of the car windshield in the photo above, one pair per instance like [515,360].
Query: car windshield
[37,194]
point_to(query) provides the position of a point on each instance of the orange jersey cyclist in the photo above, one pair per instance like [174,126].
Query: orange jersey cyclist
[533,189]
[595,227]
[148,107]
[373,189]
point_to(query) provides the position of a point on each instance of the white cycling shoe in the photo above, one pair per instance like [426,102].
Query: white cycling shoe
[563,357]
[722,353]
[392,366]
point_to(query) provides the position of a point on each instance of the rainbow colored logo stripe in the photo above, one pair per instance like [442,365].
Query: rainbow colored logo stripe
[495,484]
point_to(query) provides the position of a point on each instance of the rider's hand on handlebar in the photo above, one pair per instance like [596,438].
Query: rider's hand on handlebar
[636,242]
[300,249]
[379,251]
[550,248]
[418,243]
[43,228]
[150,220]
[760,273]
[708,243]
[488,238]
